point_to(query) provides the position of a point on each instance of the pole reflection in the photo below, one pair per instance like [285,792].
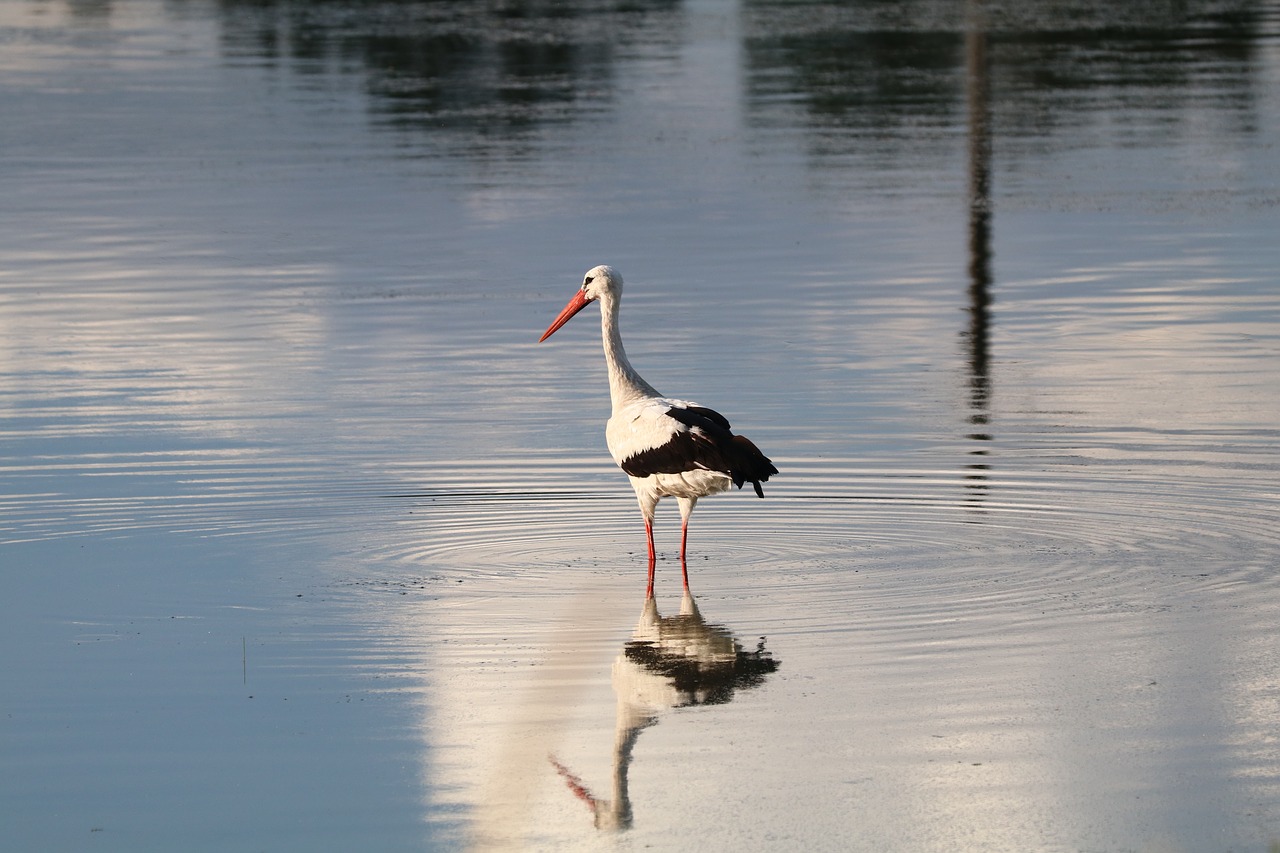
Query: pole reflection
[977,335]
[670,662]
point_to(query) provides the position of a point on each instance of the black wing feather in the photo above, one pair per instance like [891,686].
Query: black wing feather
[698,415]
[708,444]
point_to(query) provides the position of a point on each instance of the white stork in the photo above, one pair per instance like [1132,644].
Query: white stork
[669,448]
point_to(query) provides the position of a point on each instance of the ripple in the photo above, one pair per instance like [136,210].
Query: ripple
[1058,533]
[829,528]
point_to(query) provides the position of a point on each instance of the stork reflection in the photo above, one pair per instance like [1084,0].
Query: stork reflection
[670,662]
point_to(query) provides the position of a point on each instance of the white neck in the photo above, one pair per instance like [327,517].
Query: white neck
[625,385]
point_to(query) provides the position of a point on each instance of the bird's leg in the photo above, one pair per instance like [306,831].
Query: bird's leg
[648,530]
[684,541]
[686,510]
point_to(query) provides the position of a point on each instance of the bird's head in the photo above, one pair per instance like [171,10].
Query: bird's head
[598,282]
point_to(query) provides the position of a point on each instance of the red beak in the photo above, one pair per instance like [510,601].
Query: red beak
[576,304]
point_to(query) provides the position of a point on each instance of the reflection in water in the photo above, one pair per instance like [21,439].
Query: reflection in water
[671,662]
[498,73]
[875,71]
[234,316]
[978,83]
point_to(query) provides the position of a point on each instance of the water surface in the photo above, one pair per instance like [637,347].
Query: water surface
[307,544]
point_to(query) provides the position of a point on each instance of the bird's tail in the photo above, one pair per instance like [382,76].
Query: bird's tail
[749,465]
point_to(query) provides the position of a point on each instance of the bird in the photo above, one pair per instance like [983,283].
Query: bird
[667,447]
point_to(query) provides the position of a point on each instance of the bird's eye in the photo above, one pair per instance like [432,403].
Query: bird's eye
[587,280]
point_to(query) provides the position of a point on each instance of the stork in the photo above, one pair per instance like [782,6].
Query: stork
[667,447]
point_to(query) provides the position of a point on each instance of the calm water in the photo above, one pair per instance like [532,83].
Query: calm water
[306,545]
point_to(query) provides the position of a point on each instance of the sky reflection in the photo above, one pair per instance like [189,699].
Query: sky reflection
[293,509]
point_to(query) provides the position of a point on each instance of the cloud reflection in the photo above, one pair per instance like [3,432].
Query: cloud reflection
[670,662]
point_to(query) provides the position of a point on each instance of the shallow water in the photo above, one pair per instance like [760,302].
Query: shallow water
[307,544]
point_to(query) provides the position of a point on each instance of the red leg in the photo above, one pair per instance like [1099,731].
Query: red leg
[684,541]
[648,530]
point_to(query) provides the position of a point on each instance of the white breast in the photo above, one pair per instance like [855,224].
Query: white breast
[642,426]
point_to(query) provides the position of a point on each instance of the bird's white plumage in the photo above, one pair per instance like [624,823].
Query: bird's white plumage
[643,425]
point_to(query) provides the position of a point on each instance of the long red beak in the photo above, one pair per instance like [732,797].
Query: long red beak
[576,304]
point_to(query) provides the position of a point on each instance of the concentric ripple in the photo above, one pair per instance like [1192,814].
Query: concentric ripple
[827,524]
[1032,527]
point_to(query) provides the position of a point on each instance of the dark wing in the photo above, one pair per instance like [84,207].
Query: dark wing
[703,440]
[693,415]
